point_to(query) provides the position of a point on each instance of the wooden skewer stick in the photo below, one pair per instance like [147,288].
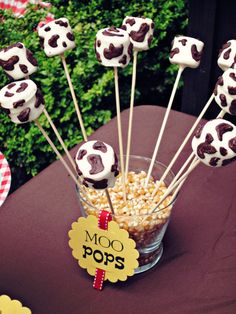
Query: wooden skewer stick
[109,201]
[56,151]
[131,113]
[119,131]
[174,195]
[59,138]
[158,142]
[169,190]
[188,160]
[178,152]
[74,98]
[60,157]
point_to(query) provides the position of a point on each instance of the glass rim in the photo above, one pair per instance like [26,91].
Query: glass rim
[153,212]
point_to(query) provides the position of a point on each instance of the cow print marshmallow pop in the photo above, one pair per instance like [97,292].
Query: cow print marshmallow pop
[97,164]
[215,143]
[56,37]
[186,51]
[22,101]
[225,91]
[140,30]
[113,47]
[227,55]
[18,61]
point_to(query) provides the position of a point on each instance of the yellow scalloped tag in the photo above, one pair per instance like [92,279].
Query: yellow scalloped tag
[110,250]
[9,306]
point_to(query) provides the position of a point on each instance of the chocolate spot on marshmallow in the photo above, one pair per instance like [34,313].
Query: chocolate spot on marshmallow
[123,60]
[141,33]
[199,131]
[225,46]
[233,76]
[220,82]
[96,163]
[213,162]
[16,45]
[152,25]
[18,103]
[98,43]
[98,57]
[232,108]
[209,138]
[47,29]
[85,183]
[98,185]
[78,170]
[174,52]
[228,161]
[39,98]
[70,36]
[113,51]
[30,57]
[183,41]
[100,146]
[223,128]
[61,23]
[232,90]
[195,53]
[108,32]
[7,94]
[206,148]
[114,168]
[223,151]
[227,54]
[23,68]
[123,27]
[81,154]
[232,144]
[22,87]
[53,41]
[150,40]
[11,85]
[9,64]
[131,22]
[130,49]
[24,115]
[64,44]
[223,100]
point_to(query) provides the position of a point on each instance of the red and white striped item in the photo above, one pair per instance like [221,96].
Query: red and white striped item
[19,6]
[5,178]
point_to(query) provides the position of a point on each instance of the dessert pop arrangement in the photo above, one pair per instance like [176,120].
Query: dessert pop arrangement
[126,201]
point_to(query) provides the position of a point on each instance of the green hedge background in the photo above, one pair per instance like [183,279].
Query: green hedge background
[26,150]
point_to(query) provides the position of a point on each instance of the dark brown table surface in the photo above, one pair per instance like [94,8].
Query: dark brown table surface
[197,273]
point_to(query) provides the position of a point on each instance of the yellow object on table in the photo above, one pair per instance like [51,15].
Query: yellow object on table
[9,306]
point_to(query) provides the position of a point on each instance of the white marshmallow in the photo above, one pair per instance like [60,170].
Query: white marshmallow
[227,55]
[215,143]
[113,47]
[97,164]
[140,30]
[186,51]
[225,91]
[22,100]
[18,61]
[56,37]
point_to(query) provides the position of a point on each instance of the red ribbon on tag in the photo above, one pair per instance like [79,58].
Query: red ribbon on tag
[103,219]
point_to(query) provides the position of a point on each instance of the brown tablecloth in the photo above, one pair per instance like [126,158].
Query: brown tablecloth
[197,273]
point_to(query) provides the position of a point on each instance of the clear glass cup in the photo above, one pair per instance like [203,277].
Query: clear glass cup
[147,230]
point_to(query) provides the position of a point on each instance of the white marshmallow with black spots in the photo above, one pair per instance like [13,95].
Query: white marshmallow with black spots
[227,55]
[140,30]
[97,165]
[56,37]
[22,101]
[215,143]
[113,47]
[18,61]
[186,51]
[225,91]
